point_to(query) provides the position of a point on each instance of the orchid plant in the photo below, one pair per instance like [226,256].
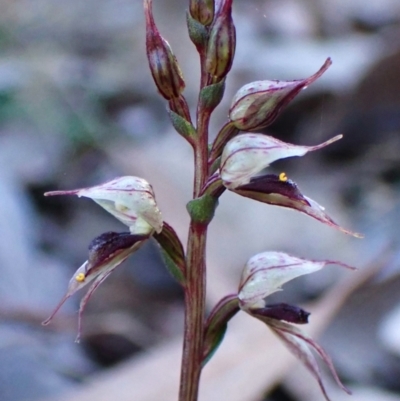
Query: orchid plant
[234,160]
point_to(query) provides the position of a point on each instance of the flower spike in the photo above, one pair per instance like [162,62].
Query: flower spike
[106,252]
[129,199]
[246,155]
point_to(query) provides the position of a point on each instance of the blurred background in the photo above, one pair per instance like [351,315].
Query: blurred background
[78,107]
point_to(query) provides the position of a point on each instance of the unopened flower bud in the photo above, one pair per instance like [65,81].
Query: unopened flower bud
[130,199]
[164,67]
[257,104]
[246,155]
[221,43]
[106,252]
[202,11]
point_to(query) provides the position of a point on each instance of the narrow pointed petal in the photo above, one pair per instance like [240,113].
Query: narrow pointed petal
[56,309]
[130,199]
[246,155]
[280,191]
[106,252]
[75,284]
[266,272]
[299,344]
[318,212]
[96,284]
[257,104]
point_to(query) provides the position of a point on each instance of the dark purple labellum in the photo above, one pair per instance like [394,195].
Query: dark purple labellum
[282,311]
[105,245]
[273,184]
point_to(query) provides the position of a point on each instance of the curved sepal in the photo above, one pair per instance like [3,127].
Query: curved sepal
[172,252]
[281,191]
[217,323]
[300,344]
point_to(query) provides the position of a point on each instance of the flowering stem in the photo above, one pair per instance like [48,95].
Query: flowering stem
[195,289]
[194,313]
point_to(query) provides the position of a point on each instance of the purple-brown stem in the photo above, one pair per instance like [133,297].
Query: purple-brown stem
[195,289]
[195,292]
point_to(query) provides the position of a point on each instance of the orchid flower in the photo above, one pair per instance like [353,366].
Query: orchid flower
[265,274]
[247,155]
[106,252]
[131,200]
